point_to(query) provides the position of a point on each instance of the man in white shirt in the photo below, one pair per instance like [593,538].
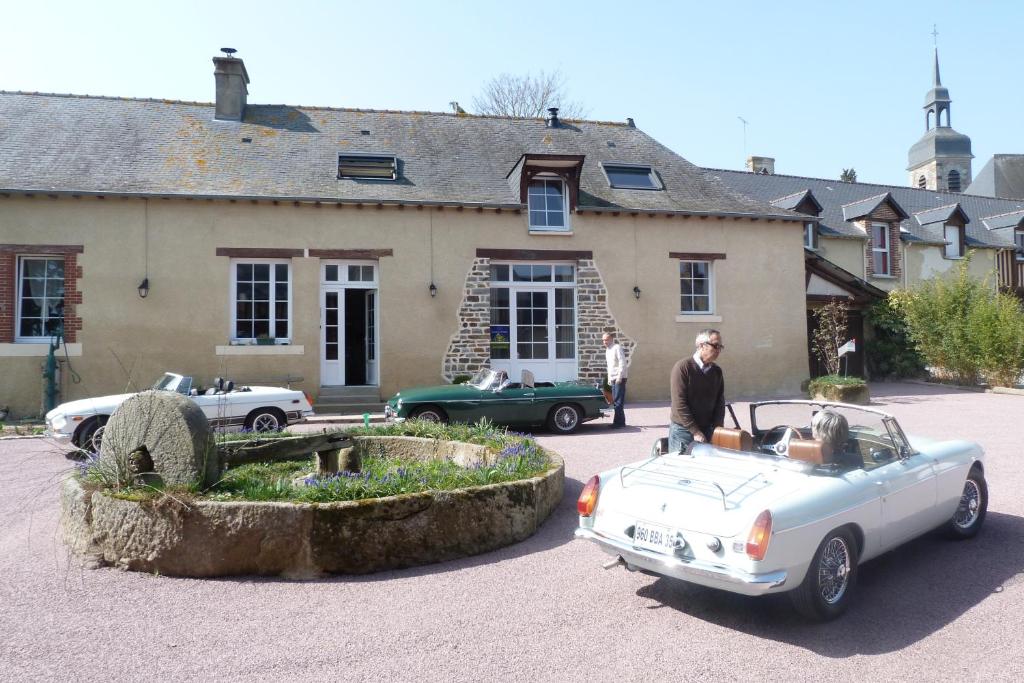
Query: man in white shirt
[616,359]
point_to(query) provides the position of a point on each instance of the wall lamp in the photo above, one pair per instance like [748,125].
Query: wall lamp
[144,288]
[433,289]
[636,291]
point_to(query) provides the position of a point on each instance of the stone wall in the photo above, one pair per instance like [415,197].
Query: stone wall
[469,347]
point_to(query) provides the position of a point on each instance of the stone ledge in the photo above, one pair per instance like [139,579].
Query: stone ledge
[298,540]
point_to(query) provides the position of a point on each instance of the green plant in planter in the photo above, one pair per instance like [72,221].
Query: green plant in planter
[840,389]
[264,340]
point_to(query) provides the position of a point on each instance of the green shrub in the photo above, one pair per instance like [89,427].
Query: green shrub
[832,380]
[997,327]
[891,353]
[964,329]
[461,379]
[937,313]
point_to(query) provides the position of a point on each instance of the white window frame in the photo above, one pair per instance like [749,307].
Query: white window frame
[952,248]
[233,300]
[20,268]
[1018,239]
[711,289]
[886,249]
[810,236]
[548,178]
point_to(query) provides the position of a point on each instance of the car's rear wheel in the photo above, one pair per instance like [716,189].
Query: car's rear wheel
[429,414]
[826,590]
[565,418]
[90,436]
[970,512]
[266,420]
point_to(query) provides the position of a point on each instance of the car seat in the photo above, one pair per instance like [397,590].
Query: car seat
[733,439]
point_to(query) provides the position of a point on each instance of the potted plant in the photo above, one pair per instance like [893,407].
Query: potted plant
[828,340]
[264,340]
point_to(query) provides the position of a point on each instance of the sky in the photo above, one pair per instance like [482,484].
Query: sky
[822,85]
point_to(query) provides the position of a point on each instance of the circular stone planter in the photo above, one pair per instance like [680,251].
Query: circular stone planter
[209,538]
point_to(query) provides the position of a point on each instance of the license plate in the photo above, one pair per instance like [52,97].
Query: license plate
[654,537]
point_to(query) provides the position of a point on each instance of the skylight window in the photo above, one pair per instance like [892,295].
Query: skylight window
[631,177]
[367,167]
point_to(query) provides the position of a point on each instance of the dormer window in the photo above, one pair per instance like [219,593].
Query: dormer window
[631,177]
[548,204]
[549,186]
[367,166]
[810,235]
[880,252]
[954,236]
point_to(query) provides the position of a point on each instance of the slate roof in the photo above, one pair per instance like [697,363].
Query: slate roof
[1002,176]
[940,214]
[834,194]
[863,207]
[102,145]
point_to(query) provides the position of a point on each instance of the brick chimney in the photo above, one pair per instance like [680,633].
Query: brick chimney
[765,165]
[232,79]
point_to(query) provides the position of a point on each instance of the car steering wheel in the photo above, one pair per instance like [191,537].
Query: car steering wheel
[782,445]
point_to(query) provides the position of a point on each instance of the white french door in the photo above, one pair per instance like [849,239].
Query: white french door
[533,320]
[349,320]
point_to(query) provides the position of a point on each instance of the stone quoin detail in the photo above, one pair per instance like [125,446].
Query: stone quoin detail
[469,347]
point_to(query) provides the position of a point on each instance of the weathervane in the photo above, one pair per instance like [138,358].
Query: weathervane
[935,35]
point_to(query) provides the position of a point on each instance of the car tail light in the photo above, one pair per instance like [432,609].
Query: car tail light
[588,499]
[760,534]
[309,399]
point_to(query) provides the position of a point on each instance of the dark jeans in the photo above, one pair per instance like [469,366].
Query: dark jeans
[679,438]
[618,400]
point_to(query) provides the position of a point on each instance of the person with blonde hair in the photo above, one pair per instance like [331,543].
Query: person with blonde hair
[833,429]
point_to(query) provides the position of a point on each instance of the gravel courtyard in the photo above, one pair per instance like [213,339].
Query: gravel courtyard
[542,610]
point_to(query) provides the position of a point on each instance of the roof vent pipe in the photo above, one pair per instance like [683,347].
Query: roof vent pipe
[630,123]
[552,117]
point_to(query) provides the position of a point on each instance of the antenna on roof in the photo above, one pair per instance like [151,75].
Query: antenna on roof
[228,51]
[744,135]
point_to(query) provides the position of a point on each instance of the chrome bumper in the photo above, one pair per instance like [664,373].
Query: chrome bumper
[390,415]
[59,436]
[695,571]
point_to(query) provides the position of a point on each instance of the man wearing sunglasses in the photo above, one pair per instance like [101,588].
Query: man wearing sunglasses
[698,394]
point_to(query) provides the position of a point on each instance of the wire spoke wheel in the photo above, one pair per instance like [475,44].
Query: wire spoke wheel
[834,570]
[970,505]
[566,418]
[96,440]
[429,415]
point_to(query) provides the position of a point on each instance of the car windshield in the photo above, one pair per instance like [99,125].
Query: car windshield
[874,433]
[173,382]
[484,379]
[167,382]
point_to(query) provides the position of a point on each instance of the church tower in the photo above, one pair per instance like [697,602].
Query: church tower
[941,159]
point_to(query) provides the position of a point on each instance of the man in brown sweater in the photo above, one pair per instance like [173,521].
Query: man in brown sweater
[698,394]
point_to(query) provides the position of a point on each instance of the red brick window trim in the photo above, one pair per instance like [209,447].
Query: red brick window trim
[10,258]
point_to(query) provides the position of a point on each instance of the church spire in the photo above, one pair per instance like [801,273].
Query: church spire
[937,101]
[941,159]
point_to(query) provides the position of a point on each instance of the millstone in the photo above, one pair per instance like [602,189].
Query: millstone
[171,430]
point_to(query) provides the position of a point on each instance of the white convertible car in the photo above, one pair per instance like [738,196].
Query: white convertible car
[225,405]
[776,510]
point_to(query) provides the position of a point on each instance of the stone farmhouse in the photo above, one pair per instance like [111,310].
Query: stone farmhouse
[347,250]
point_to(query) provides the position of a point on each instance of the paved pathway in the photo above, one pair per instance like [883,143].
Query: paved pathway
[542,610]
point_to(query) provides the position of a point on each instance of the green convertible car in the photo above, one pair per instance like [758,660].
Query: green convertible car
[562,407]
